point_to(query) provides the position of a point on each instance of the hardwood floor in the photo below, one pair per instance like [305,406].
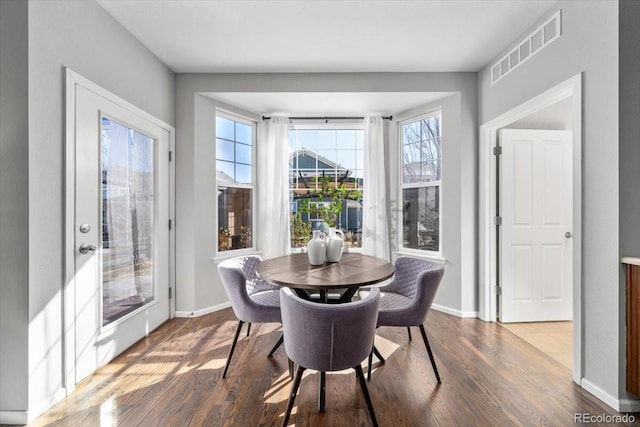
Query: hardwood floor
[490,377]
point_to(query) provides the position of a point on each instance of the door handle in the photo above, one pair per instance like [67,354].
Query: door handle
[85,249]
[568,235]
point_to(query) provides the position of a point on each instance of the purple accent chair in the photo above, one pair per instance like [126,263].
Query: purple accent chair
[406,301]
[328,337]
[252,299]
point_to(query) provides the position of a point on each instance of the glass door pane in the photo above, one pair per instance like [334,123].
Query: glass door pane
[128,185]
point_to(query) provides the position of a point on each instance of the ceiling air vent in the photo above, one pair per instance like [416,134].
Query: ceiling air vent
[534,43]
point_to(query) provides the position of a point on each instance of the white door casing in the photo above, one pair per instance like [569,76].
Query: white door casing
[90,340]
[536,209]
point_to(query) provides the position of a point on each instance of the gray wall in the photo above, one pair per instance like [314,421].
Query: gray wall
[82,36]
[588,45]
[629,141]
[198,286]
[14,204]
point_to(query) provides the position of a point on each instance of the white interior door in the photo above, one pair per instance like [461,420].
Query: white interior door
[121,229]
[535,244]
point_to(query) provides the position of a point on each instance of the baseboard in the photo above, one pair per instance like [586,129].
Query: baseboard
[203,311]
[25,417]
[454,312]
[620,405]
[629,405]
[14,417]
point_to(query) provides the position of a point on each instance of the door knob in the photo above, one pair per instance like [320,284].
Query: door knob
[85,249]
[568,235]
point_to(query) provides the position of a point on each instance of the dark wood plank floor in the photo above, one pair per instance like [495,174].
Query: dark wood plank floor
[490,377]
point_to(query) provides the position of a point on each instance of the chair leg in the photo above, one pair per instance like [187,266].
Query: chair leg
[322,386]
[276,345]
[292,396]
[233,347]
[409,332]
[292,368]
[248,328]
[365,391]
[370,363]
[433,361]
[378,355]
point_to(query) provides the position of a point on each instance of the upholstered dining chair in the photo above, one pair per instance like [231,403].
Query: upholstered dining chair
[407,299]
[328,337]
[252,299]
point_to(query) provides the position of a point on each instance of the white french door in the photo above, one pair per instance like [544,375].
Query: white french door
[121,232]
[536,209]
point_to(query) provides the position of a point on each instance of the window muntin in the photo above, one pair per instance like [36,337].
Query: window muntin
[235,181]
[421,154]
[334,153]
[234,151]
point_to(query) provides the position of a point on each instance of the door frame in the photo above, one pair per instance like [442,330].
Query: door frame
[488,245]
[72,80]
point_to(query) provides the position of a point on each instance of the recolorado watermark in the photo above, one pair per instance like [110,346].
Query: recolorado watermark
[587,418]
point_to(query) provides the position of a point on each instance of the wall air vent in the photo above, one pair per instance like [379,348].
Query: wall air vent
[529,46]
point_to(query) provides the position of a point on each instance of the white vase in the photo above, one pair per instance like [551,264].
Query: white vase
[316,248]
[334,243]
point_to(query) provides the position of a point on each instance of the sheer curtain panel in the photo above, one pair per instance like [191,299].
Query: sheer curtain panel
[273,187]
[375,234]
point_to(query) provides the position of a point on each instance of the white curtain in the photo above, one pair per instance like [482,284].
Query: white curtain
[127,163]
[272,186]
[375,234]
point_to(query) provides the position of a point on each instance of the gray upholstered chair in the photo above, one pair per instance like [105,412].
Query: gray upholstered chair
[328,337]
[252,299]
[407,299]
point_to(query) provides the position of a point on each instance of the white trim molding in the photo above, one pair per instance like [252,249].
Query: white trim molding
[203,311]
[455,312]
[487,244]
[73,80]
[620,405]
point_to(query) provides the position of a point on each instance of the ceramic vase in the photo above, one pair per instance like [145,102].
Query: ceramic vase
[334,245]
[316,248]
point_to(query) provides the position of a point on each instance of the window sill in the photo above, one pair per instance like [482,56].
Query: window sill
[222,256]
[430,257]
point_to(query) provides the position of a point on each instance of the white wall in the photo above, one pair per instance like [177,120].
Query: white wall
[82,36]
[14,205]
[198,286]
[588,45]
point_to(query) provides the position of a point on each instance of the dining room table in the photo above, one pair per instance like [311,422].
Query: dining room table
[329,283]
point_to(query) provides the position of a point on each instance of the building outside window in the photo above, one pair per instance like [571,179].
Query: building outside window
[328,157]
[235,141]
[421,145]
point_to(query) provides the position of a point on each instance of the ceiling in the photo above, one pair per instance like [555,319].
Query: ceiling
[237,36]
[296,36]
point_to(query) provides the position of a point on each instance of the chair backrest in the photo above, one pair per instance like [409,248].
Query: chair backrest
[419,280]
[253,282]
[233,273]
[328,337]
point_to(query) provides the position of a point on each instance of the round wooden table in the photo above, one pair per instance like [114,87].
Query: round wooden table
[352,271]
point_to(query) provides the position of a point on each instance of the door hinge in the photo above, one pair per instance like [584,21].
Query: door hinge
[497,220]
[497,151]
[170,293]
[499,290]
[170,224]
[170,155]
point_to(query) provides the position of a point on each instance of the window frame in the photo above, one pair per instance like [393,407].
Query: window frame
[402,186]
[252,186]
[313,124]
